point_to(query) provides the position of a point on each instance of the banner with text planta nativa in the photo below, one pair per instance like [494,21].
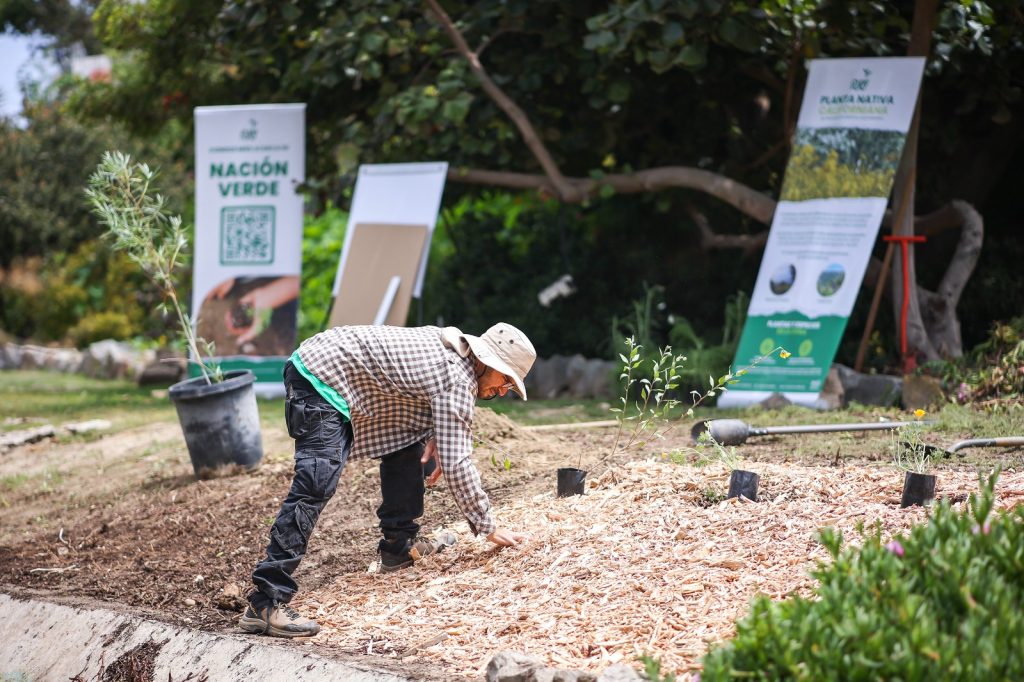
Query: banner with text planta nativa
[848,143]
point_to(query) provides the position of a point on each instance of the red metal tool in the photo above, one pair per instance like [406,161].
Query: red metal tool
[904,240]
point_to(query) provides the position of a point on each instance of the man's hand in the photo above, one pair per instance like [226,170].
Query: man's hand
[430,453]
[506,538]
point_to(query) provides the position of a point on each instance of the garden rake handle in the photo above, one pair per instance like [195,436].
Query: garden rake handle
[1007,442]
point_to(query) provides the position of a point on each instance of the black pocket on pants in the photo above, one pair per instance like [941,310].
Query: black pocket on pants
[295,417]
[292,531]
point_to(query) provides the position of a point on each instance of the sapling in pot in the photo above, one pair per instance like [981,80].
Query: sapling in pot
[912,455]
[123,196]
[218,412]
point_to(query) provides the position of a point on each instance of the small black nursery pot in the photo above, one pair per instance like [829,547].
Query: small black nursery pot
[571,481]
[918,489]
[743,483]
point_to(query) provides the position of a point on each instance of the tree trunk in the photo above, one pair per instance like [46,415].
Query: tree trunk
[918,342]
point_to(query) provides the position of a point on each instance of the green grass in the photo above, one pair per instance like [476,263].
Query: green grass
[559,411]
[52,398]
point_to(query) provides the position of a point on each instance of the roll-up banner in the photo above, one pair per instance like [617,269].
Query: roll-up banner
[248,243]
[849,139]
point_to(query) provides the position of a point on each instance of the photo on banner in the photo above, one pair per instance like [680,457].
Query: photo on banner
[250,160]
[847,146]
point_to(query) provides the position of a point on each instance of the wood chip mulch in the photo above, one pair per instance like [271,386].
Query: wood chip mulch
[647,562]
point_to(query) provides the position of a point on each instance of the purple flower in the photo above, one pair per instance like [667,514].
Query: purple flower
[895,547]
[961,393]
[984,529]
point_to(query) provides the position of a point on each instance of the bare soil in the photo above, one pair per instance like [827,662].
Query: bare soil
[122,520]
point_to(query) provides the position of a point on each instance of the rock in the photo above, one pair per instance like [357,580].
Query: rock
[167,368]
[13,439]
[833,395]
[869,389]
[512,666]
[86,426]
[10,356]
[190,602]
[33,357]
[547,379]
[776,401]
[230,598]
[575,371]
[620,673]
[108,359]
[922,392]
[66,360]
[599,379]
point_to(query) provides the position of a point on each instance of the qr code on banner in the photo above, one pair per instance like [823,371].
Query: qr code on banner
[247,235]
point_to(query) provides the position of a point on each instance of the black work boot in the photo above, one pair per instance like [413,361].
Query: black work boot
[419,547]
[277,620]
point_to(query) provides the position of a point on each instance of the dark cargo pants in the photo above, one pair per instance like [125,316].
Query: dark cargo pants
[323,440]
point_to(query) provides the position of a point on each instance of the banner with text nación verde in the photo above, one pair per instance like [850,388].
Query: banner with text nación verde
[248,245]
[849,139]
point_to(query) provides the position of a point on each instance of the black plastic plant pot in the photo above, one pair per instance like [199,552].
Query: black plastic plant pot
[743,483]
[571,482]
[918,489]
[221,423]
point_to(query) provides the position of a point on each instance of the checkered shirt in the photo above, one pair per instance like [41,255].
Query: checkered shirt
[403,385]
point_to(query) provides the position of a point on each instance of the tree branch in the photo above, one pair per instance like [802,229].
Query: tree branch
[748,201]
[709,239]
[563,189]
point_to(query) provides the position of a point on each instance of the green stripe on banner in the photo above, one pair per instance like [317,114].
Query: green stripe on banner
[812,342]
[267,370]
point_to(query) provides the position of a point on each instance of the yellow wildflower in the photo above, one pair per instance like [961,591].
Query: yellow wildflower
[919,413]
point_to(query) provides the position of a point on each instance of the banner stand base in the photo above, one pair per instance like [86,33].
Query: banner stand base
[754,398]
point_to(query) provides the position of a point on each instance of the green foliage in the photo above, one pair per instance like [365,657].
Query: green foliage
[98,326]
[647,326]
[382,83]
[490,257]
[909,451]
[703,360]
[655,402]
[65,22]
[992,373]
[42,168]
[939,604]
[122,194]
[84,291]
[653,672]
[323,237]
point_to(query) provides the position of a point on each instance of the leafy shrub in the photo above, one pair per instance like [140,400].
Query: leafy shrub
[322,240]
[44,299]
[492,254]
[992,373]
[940,604]
[703,359]
[98,326]
[42,167]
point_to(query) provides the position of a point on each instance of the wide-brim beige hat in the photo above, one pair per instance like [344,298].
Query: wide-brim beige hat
[505,349]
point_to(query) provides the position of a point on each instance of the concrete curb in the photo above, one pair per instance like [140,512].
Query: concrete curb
[44,641]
